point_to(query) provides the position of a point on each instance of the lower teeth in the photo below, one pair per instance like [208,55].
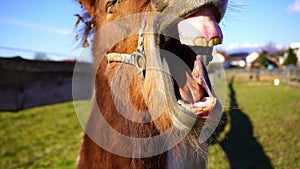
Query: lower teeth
[185,105]
[194,109]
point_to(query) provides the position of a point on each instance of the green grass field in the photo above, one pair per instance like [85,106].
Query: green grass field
[43,137]
[262,131]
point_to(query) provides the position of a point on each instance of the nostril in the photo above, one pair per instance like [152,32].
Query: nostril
[210,10]
[159,5]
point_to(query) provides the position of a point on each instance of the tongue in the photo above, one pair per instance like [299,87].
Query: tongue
[198,72]
[200,29]
[193,89]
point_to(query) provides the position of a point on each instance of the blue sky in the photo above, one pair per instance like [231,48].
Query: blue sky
[47,26]
[252,23]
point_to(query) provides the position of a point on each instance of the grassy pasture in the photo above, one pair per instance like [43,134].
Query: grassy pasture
[43,137]
[262,128]
[262,131]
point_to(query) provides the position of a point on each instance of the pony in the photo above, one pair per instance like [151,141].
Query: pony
[153,97]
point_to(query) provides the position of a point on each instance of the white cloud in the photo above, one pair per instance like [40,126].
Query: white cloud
[295,7]
[235,46]
[250,47]
[36,26]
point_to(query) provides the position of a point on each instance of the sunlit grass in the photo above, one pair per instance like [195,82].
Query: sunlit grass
[43,137]
[274,115]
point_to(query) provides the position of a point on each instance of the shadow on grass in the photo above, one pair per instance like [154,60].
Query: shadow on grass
[241,147]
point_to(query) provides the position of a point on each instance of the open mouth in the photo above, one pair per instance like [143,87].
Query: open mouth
[196,34]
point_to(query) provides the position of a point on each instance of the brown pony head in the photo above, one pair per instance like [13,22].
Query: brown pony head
[149,76]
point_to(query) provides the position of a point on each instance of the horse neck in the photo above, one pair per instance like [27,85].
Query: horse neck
[181,156]
[92,155]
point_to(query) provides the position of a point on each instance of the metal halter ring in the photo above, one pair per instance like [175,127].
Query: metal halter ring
[139,61]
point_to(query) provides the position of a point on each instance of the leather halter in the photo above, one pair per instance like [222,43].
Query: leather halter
[137,58]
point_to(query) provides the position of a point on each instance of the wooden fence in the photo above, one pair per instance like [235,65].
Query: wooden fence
[289,75]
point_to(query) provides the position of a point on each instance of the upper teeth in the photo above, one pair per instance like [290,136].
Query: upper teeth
[200,41]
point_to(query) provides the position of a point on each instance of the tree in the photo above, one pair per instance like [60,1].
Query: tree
[263,59]
[291,58]
[271,48]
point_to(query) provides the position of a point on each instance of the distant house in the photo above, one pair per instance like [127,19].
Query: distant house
[238,60]
[252,60]
[219,56]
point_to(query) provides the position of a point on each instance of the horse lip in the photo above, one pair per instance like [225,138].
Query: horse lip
[169,19]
